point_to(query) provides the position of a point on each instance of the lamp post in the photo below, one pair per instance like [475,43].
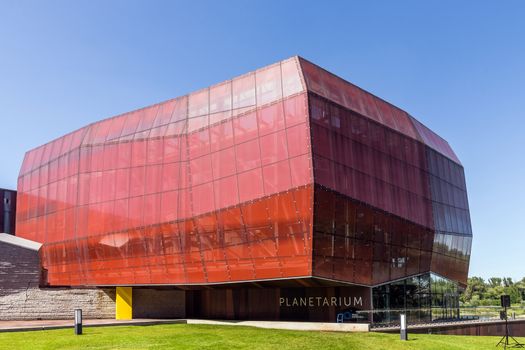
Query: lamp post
[403,328]
[78,321]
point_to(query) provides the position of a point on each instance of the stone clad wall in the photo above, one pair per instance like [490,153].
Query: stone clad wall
[22,299]
[19,269]
[55,304]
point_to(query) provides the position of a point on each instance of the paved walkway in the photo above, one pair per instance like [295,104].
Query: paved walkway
[296,326]
[13,326]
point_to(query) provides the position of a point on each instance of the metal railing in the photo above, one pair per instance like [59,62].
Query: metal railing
[492,312]
[390,318]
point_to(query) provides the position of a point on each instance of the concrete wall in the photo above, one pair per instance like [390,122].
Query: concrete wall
[159,303]
[22,299]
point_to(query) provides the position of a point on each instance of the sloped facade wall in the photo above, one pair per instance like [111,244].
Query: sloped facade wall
[211,187]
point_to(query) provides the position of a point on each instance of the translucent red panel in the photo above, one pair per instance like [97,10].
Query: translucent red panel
[204,107]
[356,243]
[212,251]
[349,158]
[248,155]
[268,84]
[250,184]
[223,163]
[434,141]
[245,127]
[243,93]
[274,147]
[451,246]
[376,167]
[179,192]
[220,102]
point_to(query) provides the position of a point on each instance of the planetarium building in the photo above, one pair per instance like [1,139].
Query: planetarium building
[283,194]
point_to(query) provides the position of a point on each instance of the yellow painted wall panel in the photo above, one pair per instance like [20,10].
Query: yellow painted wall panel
[124,303]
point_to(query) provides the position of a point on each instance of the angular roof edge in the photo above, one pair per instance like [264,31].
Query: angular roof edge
[317,80]
[20,242]
[325,83]
[80,135]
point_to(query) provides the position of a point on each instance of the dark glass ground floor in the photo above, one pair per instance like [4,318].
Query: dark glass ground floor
[313,303]
[423,298]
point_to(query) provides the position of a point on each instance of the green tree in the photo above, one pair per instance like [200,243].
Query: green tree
[475,300]
[479,292]
[475,286]
[507,281]
[514,293]
[495,281]
[521,287]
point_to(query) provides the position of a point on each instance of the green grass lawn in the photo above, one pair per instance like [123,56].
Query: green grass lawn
[181,336]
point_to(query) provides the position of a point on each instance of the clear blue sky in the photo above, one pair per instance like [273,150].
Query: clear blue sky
[459,67]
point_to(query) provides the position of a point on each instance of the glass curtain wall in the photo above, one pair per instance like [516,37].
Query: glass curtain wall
[424,298]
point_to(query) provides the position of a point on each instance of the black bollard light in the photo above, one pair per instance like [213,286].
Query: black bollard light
[403,328]
[78,321]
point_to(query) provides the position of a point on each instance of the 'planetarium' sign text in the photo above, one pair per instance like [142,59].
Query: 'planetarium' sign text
[320,301]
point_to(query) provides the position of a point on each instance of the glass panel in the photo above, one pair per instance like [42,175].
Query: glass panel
[291,78]
[243,92]
[268,82]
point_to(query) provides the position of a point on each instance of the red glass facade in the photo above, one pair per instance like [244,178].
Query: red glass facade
[288,172]
[390,195]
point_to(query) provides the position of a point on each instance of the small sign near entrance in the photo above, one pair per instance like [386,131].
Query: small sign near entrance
[319,301]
